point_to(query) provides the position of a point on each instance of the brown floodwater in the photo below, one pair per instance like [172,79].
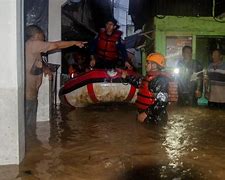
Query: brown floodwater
[106,143]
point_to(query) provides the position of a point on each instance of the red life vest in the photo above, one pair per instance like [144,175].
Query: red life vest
[106,48]
[145,97]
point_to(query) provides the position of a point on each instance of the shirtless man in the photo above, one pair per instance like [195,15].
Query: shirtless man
[34,46]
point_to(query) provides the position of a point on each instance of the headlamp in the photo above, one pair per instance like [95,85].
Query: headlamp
[176,71]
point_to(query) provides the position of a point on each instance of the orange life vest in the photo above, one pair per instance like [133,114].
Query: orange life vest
[106,47]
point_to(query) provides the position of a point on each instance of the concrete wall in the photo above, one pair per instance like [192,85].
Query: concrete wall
[54,30]
[11,83]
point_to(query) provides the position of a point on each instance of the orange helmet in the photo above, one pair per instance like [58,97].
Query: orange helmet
[157,58]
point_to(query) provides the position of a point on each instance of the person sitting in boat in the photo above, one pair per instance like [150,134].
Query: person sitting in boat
[76,64]
[107,48]
[153,95]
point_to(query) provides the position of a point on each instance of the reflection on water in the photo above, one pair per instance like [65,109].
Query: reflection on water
[106,143]
[177,139]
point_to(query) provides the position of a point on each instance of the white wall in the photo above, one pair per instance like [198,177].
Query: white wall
[54,30]
[54,34]
[11,83]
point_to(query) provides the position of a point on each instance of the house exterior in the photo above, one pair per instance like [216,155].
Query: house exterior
[172,33]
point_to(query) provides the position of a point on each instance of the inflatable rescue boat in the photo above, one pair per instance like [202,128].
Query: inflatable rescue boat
[97,86]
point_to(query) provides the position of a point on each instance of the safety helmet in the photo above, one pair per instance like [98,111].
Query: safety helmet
[157,58]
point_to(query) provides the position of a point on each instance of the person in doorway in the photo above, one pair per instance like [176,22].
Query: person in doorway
[215,83]
[153,97]
[188,91]
[35,45]
[107,48]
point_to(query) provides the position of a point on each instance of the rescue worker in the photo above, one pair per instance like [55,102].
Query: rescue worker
[107,48]
[152,98]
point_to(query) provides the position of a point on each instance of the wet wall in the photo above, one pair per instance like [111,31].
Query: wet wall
[36,12]
[11,83]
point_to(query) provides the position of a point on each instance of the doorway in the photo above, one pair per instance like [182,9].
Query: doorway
[205,45]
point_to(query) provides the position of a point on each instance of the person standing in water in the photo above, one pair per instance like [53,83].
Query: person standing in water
[189,91]
[153,95]
[35,45]
[215,83]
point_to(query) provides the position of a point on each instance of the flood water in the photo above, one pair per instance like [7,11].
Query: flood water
[106,143]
